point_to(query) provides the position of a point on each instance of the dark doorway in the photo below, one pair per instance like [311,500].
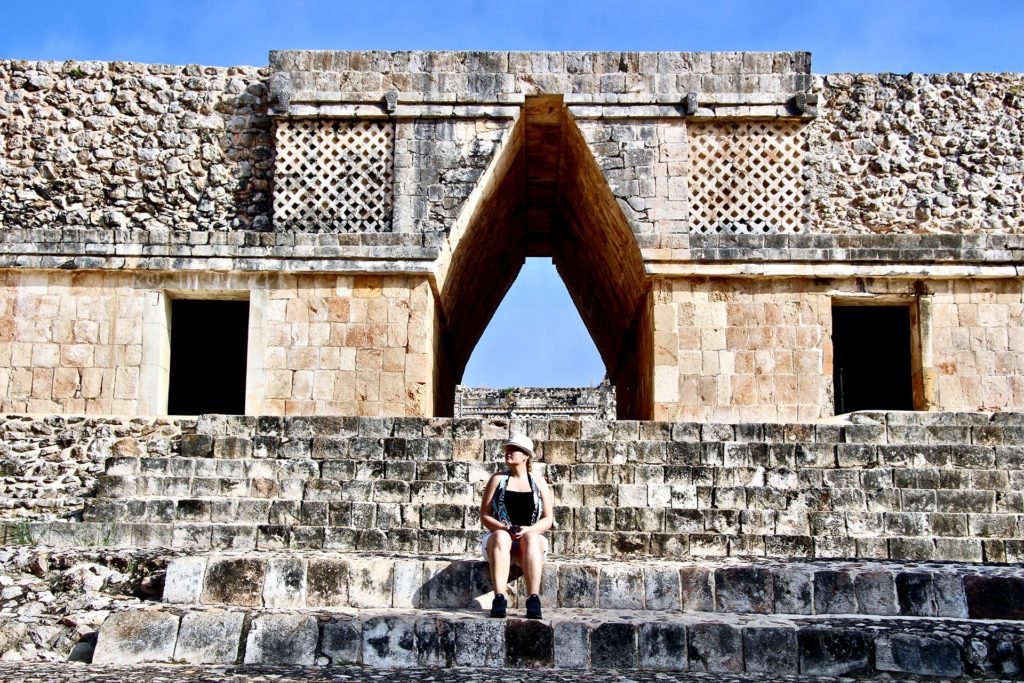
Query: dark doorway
[209,341]
[872,358]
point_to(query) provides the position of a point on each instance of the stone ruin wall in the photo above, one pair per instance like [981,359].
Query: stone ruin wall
[159,168]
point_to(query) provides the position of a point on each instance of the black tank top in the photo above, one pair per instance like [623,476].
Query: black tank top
[519,505]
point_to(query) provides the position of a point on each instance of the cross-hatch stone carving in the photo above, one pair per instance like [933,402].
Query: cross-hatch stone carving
[745,177]
[334,176]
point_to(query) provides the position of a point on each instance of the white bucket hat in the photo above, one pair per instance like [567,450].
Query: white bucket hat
[523,443]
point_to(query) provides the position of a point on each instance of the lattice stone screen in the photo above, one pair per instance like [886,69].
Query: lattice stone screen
[333,176]
[745,177]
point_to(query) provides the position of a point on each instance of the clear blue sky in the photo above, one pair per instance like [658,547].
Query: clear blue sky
[552,347]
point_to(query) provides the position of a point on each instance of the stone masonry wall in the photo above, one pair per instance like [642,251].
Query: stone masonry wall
[918,153]
[49,465]
[119,146]
[76,342]
[761,350]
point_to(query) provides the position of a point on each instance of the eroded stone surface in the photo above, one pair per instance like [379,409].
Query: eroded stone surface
[138,636]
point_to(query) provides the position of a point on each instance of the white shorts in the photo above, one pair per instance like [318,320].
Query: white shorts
[515,547]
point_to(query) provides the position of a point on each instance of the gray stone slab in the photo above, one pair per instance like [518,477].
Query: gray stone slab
[715,648]
[876,593]
[389,642]
[662,646]
[697,589]
[282,639]
[661,587]
[213,637]
[529,643]
[435,642]
[407,582]
[341,641]
[621,587]
[577,585]
[793,594]
[479,642]
[834,593]
[234,581]
[770,650]
[613,646]
[924,656]
[285,582]
[183,583]
[137,636]
[744,590]
[371,582]
[833,652]
[327,582]
[572,645]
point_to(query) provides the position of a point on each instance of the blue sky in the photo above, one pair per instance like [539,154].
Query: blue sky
[536,338]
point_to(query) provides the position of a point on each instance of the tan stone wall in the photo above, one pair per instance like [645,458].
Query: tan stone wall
[352,345]
[740,349]
[978,345]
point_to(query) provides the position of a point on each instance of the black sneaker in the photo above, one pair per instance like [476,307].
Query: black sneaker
[533,607]
[499,606]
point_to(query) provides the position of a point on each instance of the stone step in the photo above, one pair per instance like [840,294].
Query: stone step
[461,511]
[869,490]
[205,536]
[566,638]
[334,580]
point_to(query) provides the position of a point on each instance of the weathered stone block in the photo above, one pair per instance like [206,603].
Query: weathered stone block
[234,581]
[285,582]
[210,638]
[572,644]
[832,652]
[715,648]
[834,593]
[183,583]
[577,585]
[529,643]
[662,646]
[613,646]
[696,589]
[137,636]
[446,584]
[371,583]
[621,587]
[327,582]
[919,655]
[282,639]
[994,597]
[479,642]
[389,642]
[876,593]
[661,587]
[915,592]
[770,650]
[744,589]
[341,640]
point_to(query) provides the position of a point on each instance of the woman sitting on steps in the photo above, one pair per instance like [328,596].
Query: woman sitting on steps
[516,509]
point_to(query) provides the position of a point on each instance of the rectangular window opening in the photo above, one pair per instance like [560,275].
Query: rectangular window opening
[873,357]
[209,343]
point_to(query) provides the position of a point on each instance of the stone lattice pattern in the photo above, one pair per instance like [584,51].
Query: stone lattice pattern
[745,177]
[334,176]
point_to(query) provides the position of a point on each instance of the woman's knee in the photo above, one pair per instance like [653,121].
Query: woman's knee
[531,542]
[500,540]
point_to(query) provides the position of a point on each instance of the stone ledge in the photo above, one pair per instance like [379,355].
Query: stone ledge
[566,639]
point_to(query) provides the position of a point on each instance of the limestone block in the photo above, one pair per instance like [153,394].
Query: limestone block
[662,646]
[744,589]
[371,583]
[210,637]
[341,641]
[479,642]
[435,642]
[234,581]
[327,582]
[407,583]
[282,639]
[994,597]
[915,592]
[621,587]
[184,580]
[447,584]
[137,636]
[572,644]
[770,650]
[876,593]
[715,648]
[834,593]
[613,645]
[285,582]
[919,655]
[577,585]
[528,643]
[832,652]
[661,587]
[389,642]
[697,589]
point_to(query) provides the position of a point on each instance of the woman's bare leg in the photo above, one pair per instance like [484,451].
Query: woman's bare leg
[531,559]
[499,557]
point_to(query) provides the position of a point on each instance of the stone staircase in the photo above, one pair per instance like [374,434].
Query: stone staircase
[873,546]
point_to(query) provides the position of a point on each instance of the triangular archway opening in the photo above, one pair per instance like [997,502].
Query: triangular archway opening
[544,195]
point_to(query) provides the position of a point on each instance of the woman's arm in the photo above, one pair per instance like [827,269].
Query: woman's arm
[488,521]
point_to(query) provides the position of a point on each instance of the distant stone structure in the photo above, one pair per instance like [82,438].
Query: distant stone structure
[583,403]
